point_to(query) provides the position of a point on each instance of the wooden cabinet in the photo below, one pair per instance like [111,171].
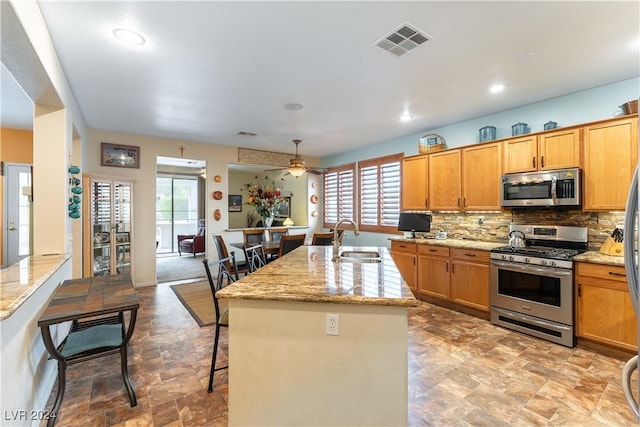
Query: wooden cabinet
[470,278]
[404,255]
[445,183]
[550,150]
[603,306]
[610,158]
[433,271]
[481,172]
[414,183]
[107,230]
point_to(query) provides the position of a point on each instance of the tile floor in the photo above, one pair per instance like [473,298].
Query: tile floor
[463,371]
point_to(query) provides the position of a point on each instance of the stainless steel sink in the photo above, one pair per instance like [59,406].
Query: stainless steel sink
[360,256]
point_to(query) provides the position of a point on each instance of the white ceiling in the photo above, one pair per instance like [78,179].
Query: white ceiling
[212,69]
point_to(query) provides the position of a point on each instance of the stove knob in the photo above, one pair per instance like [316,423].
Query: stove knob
[543,262]
[511,258]
[527,260]
[503,257]
[553,263]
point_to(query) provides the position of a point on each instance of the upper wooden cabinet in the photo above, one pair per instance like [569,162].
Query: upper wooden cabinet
[445,186]
[552,150]
[414,183]
[610,158]
[481,172]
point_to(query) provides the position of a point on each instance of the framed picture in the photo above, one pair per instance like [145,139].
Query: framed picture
[285,209]
[235,203]
[122,156]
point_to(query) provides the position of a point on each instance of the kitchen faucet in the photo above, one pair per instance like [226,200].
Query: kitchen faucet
[337,240]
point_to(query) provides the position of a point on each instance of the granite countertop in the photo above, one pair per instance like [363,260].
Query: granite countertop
[20,280]
[453,243]
[595,257]
[308,274]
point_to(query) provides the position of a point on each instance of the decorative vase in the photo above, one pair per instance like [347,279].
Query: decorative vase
[267,221]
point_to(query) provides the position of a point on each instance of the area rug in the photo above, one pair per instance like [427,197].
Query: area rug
[174,268]
[196,298]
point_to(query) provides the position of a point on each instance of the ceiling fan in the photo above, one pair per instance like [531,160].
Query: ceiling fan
[297,167]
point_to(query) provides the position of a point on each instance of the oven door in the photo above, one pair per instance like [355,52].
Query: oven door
[542,292]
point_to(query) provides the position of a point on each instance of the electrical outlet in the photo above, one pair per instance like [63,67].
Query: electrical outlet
[333,324]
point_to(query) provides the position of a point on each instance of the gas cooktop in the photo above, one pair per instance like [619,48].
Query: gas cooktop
[540,252]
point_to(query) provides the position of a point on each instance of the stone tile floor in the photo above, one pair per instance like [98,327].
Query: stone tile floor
[463,371]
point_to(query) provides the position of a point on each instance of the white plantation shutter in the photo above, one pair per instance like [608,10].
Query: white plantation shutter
[379,194]
[339,194]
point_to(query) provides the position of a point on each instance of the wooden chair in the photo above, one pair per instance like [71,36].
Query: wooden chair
[255,257]
[322,239]
[252,237]
[290,242]
[243,267]
[226,272]
[276,233]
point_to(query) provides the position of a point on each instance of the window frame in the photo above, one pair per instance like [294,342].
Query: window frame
[379,163]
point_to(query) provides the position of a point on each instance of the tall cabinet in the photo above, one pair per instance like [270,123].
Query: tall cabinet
[107,231]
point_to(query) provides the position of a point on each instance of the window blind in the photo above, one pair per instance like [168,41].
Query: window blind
[339,194]
[379,193]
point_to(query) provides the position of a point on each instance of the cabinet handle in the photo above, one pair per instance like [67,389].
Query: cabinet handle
[617,274]
[426,203]
[542,161]
[453,268]
[471,255]
[433,250]
[403,246]
[579,290]
[534,162]
[464,202]
[447,268]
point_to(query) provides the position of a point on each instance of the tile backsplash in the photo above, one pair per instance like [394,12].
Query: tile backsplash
[494,226]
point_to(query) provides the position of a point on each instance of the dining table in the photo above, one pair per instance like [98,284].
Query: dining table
[270,247]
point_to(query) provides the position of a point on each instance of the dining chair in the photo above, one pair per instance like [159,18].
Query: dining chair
[290,242]
[221,247]
[255,257]
[226,272]
[252,237]
[322,239]
[276,233]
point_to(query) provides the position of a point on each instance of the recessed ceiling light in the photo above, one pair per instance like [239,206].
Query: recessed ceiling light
[497,88]
[128,36]
[406,117]
[294,106]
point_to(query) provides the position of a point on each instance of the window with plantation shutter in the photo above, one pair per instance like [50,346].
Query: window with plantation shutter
[339,194]
[379,195]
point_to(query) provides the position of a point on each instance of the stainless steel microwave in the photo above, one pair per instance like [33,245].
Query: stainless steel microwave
[545,188]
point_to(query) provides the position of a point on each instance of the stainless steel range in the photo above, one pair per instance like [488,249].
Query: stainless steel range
[532,286]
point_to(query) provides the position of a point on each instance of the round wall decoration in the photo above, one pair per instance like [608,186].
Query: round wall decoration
[314,184]
[217,214]
[217,195]
[314,199]
[314,214]
[217,178]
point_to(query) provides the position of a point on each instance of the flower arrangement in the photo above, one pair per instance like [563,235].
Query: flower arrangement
[265,196]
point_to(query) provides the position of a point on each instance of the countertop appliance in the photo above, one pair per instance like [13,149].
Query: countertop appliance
[412,223]
[532,286]
[559,188]
[631,268]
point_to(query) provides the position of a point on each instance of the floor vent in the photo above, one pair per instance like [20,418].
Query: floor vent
[402,40]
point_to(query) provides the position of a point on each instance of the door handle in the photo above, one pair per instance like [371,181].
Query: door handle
[12,229]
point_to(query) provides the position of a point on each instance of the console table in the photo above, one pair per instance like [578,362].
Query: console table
[98,308]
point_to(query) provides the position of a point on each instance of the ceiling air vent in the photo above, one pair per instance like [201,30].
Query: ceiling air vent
[245,133]
[402,40]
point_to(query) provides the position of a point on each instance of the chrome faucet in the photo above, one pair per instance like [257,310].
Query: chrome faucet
[338,240]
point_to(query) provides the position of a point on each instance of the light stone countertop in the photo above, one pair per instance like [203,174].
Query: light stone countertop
[595,257]
[20,280]
[308,274]
[453,243]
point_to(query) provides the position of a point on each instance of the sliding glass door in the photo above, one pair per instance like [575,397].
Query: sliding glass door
[176,210]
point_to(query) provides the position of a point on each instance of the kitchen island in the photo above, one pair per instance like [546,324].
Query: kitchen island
[284,369]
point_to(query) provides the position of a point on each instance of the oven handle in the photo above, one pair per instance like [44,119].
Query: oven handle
[554,189]
[553,272]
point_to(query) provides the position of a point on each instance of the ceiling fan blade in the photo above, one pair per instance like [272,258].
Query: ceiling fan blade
[314,172]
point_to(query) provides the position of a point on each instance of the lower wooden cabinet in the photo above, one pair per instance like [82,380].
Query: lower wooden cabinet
[603,306]
[433,271]
[470,278]
[404,255]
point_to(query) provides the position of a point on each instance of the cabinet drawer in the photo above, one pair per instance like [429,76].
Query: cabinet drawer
[471,255]
[403,247]
[433,250]
[600,271]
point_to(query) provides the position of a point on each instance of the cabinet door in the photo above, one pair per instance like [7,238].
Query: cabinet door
[605,313]
[481,172]
[433,276]
[445,180]
[406,264]
[414,183]
[520,154]
[470,284]
[560,149]
[610,158]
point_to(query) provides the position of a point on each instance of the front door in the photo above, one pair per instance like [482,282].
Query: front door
[17,208]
